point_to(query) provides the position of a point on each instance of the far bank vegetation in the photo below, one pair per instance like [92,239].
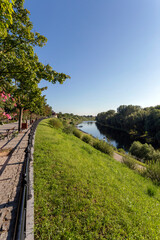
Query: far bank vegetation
[137,121]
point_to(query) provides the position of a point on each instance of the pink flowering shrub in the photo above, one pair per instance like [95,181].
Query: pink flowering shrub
[7,104]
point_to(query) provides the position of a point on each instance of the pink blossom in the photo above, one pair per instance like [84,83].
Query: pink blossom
[5,97]
[13,99]
[8,116]
[9,95]
[15,105]
[2,95]
[3,100]
[4,114]
[3,92]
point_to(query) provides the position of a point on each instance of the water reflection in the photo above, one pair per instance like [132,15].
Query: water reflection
[121,139]
[116,138]
[90,123]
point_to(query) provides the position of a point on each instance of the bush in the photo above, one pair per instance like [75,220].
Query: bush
[156,156]
[129,162]
[135,149]
[64,122]
[153,171]
[56,123]
[86,138]
[68,129]
[147,151]
[103,147]
[151,191]
[144,151]
[121,150]
[77,133]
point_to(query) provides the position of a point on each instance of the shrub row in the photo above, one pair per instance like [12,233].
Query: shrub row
[103,147]
[97,144]
[77,133]
[87,139]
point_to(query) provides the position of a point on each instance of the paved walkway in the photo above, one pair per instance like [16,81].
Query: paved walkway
[4,127]
[10,176]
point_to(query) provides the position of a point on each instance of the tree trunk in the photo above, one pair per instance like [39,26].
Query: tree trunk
[20,119]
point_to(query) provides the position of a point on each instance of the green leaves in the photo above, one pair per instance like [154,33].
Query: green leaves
[20,69]
[6,10]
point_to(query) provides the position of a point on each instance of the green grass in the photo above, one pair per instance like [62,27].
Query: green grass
[81,193]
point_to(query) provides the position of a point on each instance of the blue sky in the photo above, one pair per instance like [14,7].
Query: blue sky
[110,48]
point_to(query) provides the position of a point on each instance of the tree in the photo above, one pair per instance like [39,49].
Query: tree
[20,69]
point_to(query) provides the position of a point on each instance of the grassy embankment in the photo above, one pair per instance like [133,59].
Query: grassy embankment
[81,193]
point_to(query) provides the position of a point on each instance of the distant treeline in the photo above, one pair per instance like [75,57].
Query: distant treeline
[134,120]
[70,118]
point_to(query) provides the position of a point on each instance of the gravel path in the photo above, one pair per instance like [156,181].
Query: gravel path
[10,179]
[119,158]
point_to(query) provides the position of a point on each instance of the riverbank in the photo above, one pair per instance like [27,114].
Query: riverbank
[81,193]
[118,155]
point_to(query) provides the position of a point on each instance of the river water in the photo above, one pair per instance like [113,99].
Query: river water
[118,139]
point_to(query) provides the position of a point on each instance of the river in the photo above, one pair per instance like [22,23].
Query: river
[118,139]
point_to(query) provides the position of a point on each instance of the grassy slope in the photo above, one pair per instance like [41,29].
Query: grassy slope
[81,193]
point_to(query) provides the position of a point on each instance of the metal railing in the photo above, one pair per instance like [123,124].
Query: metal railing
[20,224]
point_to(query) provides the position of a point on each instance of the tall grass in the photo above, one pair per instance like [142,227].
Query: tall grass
[153,171]
[129,162]
[68,129]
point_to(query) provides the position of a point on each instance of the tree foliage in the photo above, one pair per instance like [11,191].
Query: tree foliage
[20,69]
[6,11]
[134,119]
[144,151]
